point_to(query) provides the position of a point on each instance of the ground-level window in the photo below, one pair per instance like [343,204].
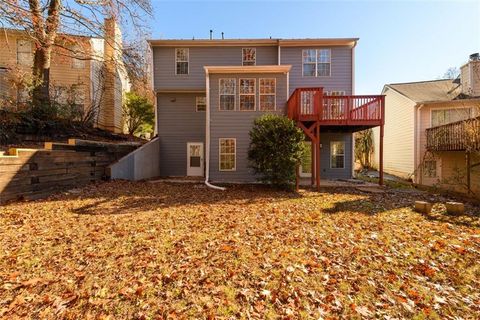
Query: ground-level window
[24,52]
[316,62]
[444,116]
[337,154]
[249,56]
[23,95]
[430,169]
[78,99]
[60,95]
[227,154]
[227,94]
[181,60]
[247,94]
[267,94]
[201,104]
[78,60]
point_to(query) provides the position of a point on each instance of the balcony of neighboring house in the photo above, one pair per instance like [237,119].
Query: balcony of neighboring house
[457,136]
[315,112]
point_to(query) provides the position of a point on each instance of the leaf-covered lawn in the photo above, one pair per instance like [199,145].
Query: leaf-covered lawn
[122,250]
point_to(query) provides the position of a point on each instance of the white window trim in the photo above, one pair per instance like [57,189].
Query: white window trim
[331,153]
[188,62]
[254,94]
[447,108]
[267,94]
[316,63]
[220,153]
[234,95]
[254,61]
[196,103]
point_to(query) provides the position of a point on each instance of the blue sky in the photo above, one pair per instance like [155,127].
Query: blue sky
[400,41]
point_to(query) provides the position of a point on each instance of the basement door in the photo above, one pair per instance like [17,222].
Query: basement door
[195,159]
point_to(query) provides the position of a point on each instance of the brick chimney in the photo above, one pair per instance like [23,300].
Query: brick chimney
[110,117]
[470,76]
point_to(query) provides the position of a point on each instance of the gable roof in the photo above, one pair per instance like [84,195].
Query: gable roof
[428,91]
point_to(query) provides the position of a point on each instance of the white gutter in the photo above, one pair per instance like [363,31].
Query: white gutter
[418,178]
[207,135]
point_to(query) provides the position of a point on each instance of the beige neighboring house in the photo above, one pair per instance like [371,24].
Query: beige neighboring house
[94,78]
[413,108]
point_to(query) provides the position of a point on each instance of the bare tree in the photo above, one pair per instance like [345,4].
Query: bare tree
[48,23]
[451,73]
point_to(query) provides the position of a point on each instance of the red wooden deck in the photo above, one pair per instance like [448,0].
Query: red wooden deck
[311,109]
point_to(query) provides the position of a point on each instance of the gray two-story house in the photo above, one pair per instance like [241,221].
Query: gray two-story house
[208,93]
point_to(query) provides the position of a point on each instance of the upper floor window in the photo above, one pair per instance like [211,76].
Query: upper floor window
[181,60]
[337,154]
[77,60]
[24,52]
[249,56]
[267,94]
[316,62]
[201,103]
[247,94]
[23,95]
[444,116]
[227,94]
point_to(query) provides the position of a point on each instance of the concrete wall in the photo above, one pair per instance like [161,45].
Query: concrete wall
[142,163]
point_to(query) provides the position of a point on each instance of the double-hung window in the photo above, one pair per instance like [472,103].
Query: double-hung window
[316,62]
[227,94]
[227,154]
[430,169]
[444,116]
[249,56]
[24,52]
[247,94]
[78,61]
[267,94]
[337,154]
[181,61]
[201,103]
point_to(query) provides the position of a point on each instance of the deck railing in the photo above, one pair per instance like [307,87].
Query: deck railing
[309,104]
[457,136]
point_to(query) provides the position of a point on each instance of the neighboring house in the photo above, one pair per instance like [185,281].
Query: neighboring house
[411,109]
[208,93]
[85,73]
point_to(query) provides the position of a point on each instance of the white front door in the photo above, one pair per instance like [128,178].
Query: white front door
[195,159]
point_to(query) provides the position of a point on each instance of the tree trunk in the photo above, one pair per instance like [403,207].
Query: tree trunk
[41,74]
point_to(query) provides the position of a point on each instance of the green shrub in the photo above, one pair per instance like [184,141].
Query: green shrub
[276,148]
[138,112]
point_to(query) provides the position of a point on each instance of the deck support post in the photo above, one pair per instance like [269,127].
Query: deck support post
[469,172]
[312,164]
[317,154]
[380,180]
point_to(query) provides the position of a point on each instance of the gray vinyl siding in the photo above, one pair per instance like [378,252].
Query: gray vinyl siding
[164,64]
[325,171]
[340,75]
[237,124]
[178,123]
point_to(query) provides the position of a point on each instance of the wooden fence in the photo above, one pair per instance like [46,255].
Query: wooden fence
[35,173]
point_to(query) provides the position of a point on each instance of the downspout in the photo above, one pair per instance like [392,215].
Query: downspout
[152,87]
[207,134]
[418,133]
[353,93]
